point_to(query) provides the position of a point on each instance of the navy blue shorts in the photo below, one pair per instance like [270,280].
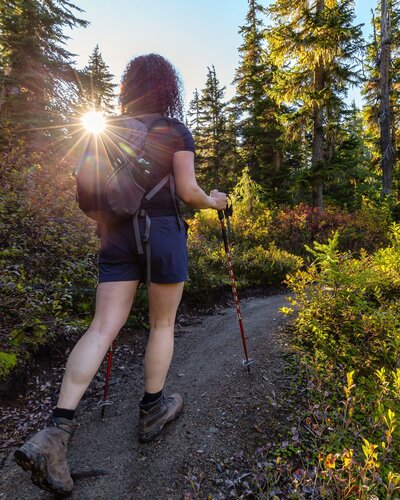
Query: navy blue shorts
[119,259]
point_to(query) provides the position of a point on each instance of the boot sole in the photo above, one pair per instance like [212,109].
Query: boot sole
[150,436]
[30,459]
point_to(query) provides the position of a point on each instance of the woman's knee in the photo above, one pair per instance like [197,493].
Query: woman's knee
[162,323]
[103,332]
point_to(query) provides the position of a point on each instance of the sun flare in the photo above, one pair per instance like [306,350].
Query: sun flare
[94,122]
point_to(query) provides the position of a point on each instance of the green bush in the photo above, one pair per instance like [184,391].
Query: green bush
[47,252]
[257,260]
[348,331]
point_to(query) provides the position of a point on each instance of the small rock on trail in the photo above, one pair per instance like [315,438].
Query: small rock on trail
[225,415]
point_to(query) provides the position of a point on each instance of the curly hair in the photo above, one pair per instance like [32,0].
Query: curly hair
[150,84]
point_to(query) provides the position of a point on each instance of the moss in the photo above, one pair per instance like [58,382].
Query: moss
[7,363]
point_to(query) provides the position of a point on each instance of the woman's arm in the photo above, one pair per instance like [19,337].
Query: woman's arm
[186,185]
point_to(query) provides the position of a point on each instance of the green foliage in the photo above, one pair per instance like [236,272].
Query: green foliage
[367,227]
[7,363]
[348,329]
[215,141]
[257,260]
[257,120]
[96,85]
[35,70]
[313,47]
[372,90]
[47,252]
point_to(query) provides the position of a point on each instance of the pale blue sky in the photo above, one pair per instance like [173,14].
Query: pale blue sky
[192,34]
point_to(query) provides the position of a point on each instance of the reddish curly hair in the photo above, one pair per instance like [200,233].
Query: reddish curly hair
[151,84]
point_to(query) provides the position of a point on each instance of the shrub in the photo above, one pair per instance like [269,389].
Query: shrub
[367,228]
[348,330]
[47,254]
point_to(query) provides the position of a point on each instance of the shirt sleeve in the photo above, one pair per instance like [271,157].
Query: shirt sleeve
[185,141]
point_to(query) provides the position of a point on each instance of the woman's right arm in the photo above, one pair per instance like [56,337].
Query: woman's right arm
[186,185]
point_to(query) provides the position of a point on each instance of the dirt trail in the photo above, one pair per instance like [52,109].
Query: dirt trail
[226,414]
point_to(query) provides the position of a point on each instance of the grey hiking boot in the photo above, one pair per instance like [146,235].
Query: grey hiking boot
[44,455]
[152,421]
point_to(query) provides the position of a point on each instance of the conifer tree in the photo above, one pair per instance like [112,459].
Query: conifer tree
[193,114]
[193,122]
[347,173]
[382,112]
[314,45]
[35,66]
[208,119]
[97,84]
[258,126]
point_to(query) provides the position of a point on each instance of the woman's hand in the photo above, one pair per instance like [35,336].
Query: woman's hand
[219,199]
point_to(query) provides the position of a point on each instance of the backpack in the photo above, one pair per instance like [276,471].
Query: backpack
[112,175]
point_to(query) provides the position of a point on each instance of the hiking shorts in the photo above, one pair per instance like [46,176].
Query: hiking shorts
[119,259]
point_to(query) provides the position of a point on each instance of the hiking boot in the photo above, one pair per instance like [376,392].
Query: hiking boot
[152,420]
[45,456]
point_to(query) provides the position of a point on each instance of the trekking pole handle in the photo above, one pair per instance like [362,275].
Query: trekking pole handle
[227,211]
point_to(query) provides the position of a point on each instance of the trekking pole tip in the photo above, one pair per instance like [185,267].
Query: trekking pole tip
[247,363]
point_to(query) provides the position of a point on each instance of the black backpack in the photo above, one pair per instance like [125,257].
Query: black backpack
[112,175]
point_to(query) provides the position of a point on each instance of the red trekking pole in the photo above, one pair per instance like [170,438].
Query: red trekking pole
[105,401]
[225,214]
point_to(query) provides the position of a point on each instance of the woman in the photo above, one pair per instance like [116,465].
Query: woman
[151,92]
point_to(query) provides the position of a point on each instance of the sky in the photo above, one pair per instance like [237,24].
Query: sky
[192,34]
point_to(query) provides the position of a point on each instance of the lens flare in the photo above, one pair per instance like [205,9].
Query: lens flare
[94,122]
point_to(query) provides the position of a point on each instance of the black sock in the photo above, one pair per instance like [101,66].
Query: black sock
[63,413]
[150,398]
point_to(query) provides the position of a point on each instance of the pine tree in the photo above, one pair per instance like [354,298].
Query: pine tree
[208,119]
[258,126]
[382,112]
[314,45]
[193,114]
[347,174]
[97,84]
[35,66]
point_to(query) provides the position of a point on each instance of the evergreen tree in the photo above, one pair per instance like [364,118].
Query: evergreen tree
[347,174]
[35,67]
[97,84]
[208,119]
[382,112]
[258,126]
[313,45]
[193,114]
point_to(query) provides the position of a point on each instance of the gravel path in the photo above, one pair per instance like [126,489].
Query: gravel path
[228,413]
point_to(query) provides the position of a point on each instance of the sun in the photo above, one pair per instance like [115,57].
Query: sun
[94,122]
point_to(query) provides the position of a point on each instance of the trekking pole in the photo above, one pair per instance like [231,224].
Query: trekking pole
[106,402]
[224,214]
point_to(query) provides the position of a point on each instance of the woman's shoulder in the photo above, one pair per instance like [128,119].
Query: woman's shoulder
[185,141]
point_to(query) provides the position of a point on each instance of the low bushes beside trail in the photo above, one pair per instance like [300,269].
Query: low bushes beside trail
[348,334]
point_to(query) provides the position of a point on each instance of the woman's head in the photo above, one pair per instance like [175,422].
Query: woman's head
[151,84]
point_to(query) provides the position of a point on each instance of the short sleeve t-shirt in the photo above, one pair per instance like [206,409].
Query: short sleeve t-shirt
[165,138]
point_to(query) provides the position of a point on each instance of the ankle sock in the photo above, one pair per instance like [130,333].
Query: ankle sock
[150,398]
[63,413]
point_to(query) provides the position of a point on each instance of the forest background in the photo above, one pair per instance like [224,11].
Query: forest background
[315,186]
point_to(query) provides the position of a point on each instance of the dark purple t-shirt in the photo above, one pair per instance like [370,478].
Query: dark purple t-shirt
[165,138]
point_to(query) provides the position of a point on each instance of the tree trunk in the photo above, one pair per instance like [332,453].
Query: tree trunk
[387,150]
[317,158]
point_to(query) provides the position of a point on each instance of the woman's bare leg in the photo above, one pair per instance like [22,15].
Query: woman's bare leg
[113,304]
[163,304]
